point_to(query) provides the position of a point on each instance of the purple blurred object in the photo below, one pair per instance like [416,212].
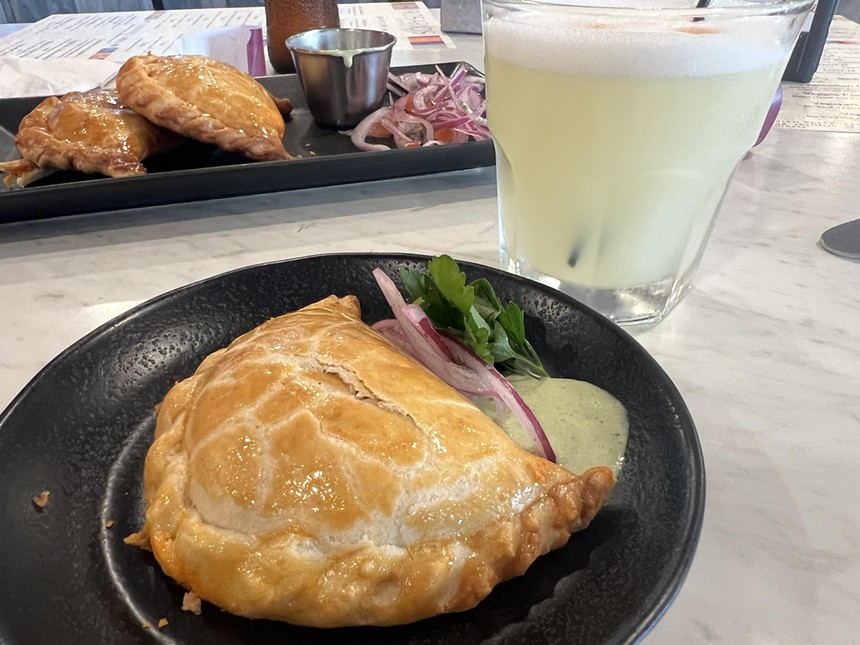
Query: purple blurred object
[771,115]
[256,59]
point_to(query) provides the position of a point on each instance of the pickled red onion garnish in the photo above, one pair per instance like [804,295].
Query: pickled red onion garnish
[412,332]
[433,109]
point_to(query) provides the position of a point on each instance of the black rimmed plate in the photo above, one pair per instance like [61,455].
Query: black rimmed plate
[196,171]
[81,429]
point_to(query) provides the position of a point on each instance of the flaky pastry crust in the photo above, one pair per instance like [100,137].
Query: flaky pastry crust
[206,100]
[92,132]
[312,473]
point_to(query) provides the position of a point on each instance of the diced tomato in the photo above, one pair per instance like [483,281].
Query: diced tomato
[445,135]
[378,131]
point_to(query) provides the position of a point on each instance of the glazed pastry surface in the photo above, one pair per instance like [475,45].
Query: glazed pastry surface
[311,472]
[206,100]
[92,132]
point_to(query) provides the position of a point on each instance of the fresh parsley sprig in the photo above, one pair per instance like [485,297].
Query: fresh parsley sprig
[474,314]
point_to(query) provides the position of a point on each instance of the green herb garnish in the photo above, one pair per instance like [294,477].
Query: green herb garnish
[474,314]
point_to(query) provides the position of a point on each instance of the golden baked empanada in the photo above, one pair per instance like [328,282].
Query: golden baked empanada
[206,100]
[311,472]
[92,132]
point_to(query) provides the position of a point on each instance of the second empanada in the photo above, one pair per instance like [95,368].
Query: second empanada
[206,100]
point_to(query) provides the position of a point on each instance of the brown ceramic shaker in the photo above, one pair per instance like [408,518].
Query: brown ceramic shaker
[285,18]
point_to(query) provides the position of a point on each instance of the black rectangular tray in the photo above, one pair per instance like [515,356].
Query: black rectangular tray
[197,171]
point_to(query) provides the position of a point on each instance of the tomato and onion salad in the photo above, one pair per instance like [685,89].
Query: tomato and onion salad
[431,109]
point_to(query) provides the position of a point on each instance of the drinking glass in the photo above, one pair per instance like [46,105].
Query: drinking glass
[617,127]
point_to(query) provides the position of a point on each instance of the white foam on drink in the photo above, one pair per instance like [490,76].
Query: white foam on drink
[552,44]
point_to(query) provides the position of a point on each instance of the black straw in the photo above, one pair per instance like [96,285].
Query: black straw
[701,4]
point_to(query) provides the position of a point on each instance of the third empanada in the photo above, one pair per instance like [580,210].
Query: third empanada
[92,132]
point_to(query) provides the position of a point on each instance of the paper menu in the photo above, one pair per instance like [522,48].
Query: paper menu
[414,25]
[831,100]
[119,35]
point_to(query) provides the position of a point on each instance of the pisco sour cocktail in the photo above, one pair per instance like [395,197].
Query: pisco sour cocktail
[615,141]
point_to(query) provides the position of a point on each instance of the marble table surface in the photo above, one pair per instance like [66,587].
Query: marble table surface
[764,349]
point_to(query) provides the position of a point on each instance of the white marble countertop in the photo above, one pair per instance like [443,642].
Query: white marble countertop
[764,350]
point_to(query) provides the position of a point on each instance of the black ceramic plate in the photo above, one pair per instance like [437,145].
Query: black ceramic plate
[196,171]
[81,429]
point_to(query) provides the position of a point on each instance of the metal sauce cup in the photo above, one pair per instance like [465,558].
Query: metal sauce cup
[343,72]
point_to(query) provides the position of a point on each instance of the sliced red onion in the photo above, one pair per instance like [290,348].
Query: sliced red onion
[455,363]
[455,122]
[389,289]
[396,84]
[417,317]
[426,351]
[391,329]
[432,101]
[512,399]
[359,134]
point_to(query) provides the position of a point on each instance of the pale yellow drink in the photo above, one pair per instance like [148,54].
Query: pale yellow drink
[614,148]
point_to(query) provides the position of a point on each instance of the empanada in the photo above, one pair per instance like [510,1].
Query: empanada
[92,132]
[311,472]
[206,100]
